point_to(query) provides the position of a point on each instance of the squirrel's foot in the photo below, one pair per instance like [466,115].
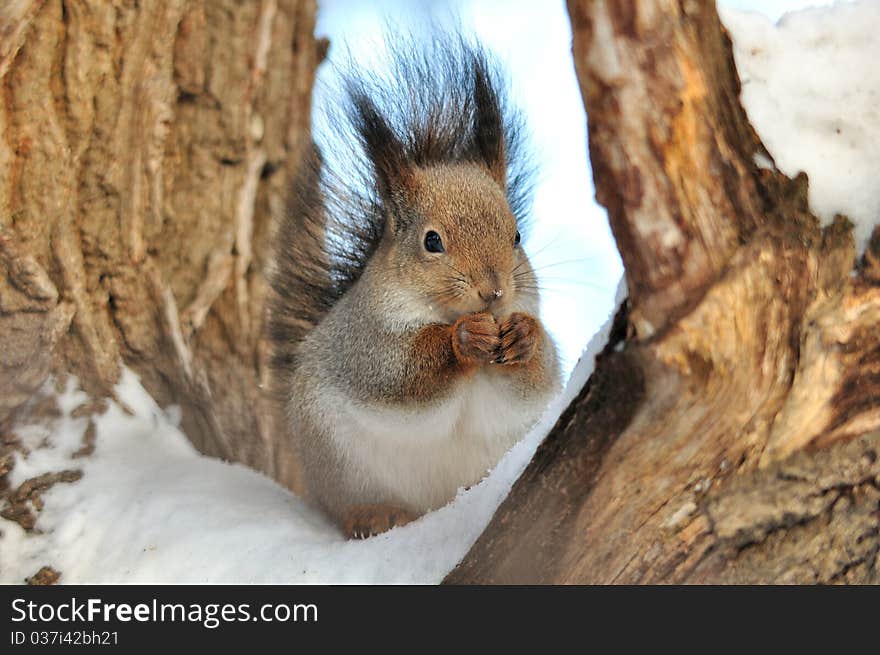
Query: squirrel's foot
[518,339]
[363,521]
[475,338]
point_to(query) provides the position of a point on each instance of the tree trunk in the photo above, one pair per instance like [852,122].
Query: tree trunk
[731,429]
[144,147]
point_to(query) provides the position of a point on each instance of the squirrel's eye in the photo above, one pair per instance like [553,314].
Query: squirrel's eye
[433,242]
[517,238]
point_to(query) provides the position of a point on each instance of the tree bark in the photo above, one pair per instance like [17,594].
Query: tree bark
[144,147]
[731,429]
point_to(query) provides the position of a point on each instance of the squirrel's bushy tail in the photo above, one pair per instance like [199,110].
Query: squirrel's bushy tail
[300,274]
[440,100]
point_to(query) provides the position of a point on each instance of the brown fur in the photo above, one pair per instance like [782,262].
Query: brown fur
[518,337]
[434,362]
[475,338]
[465,206]
[525,349]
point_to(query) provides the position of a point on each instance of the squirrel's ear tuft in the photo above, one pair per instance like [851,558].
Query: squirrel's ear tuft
[384,149]
[489,124]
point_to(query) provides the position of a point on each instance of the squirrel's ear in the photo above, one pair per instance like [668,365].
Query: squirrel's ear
[489,126]
[385,150]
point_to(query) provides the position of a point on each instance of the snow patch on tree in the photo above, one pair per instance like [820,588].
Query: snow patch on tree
[811,88]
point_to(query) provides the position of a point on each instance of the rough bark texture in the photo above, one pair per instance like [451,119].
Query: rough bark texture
[143,147]
[732,433]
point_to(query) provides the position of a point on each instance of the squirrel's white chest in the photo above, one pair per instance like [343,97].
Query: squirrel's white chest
[421,457]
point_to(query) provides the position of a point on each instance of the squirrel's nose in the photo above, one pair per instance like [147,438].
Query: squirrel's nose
[491,295]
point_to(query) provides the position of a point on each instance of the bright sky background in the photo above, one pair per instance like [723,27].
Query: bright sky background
[570,244]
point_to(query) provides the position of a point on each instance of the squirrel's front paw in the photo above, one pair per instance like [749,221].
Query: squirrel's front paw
[519,338]
[475,338]
[362,521]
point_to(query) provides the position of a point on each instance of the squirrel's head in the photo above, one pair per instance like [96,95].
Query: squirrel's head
[445,171]
[453,243]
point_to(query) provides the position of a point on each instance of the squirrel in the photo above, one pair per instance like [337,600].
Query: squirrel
[403,318]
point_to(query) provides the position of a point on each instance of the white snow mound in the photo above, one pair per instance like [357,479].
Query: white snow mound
[811,87]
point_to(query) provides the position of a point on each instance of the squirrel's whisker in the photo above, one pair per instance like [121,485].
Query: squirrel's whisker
[554,241]
[565,262]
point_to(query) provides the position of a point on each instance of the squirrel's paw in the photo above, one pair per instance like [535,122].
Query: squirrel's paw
[363,521]
[518,339]
[475,338]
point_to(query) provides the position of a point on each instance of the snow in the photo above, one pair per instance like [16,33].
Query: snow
[811,87]
[150,509]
